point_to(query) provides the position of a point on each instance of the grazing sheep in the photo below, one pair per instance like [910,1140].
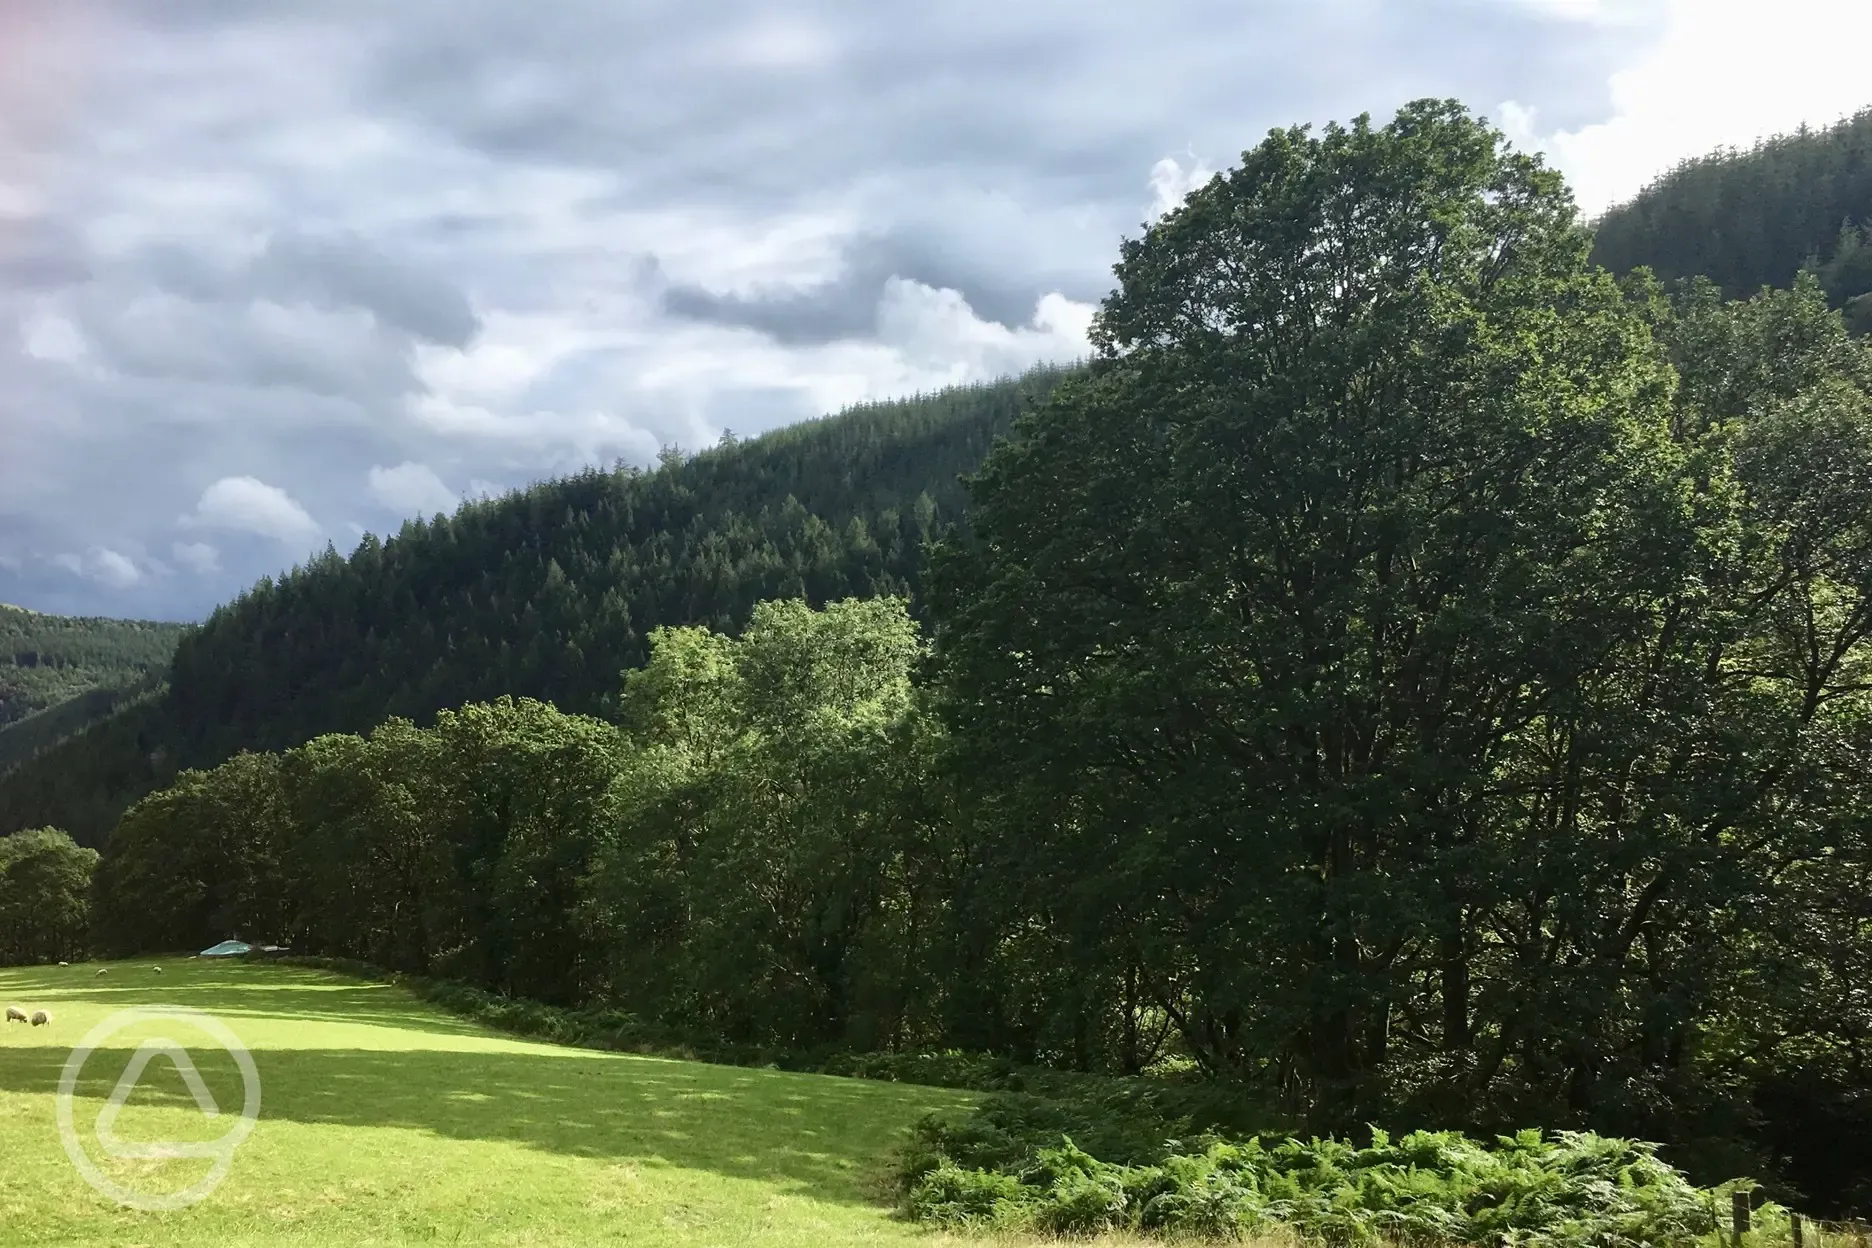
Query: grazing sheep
[156,969]
[15,1015]
[64,964]
[103,970]
[40,1018]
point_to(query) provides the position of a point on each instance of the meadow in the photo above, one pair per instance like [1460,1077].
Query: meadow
[387,1121]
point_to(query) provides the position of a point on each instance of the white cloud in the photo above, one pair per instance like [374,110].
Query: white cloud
[932,328]
[1571,10]
[103,565]
[412,489]
[1723,74]
[46,335]
[197,556]
[1170,182]
[772,44]
[249,505]
[293,244]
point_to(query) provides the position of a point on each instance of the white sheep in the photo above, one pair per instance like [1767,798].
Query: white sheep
[103,970]
[15,1015]
[40,1018]
[156,969]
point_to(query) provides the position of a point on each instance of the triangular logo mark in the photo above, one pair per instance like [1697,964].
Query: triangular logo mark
[147,1052]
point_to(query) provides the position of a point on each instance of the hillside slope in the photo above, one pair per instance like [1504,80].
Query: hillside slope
[551,591]
[1749,219]
[49,659]
[548,593]
[60,674]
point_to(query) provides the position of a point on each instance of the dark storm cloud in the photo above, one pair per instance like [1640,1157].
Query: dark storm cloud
[344,271]
[266,270]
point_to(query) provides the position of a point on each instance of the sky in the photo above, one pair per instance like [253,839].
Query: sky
[276,274]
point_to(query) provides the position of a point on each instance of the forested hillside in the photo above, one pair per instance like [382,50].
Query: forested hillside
[1445,705]
[547,593]
[60,673]
[46,659]
[550,592]
[1749,219]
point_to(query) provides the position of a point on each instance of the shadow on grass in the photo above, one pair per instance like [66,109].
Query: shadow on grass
[825,1136]
[820,1136]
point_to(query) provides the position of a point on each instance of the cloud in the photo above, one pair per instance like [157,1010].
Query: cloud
[48,336]
[198,557]
[411,489]
[342,271]
[1718,75]
[365,250]
[1171,182]
[107,567]
[248,505]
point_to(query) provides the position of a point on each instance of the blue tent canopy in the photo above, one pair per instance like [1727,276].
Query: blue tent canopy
[227,949]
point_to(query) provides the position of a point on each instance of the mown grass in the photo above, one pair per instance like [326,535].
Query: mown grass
[384,1120]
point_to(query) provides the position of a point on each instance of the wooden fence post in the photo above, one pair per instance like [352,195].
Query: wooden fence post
[1794,1221]
[1739,1215]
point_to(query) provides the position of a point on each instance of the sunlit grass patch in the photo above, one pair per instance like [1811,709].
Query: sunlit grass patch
[386,1121]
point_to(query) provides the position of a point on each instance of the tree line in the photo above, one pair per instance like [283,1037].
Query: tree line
[1410,672]
[755,850]
[546,593]
[1755,218]
[46,885]
[47,659]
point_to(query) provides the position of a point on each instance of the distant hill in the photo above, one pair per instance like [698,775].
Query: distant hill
[550,592]
[59,673]
[46,659]
[1754,218]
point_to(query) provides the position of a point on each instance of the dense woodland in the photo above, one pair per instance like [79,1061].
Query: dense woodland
[45,897]
[1749,219]
[1411,675]
[548,593]
[58,673]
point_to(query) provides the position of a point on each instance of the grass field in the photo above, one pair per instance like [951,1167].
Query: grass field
[385,1121]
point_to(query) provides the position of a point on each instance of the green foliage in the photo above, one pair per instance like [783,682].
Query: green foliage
[1436,676]
[1409,677]
[1573,1189]
[754,856]
[1254,604]
[45,897]
[773,874]
[547,593]
[59,673]
[46,659]
[1750,219]
[62,721]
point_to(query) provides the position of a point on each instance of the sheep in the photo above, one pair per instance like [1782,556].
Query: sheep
[103,970]
[156,969]
[64,964]
[40,1018]
[15,1015]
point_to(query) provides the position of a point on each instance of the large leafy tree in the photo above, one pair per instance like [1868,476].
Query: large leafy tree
[772,873]
[45,897]
[1372,469]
